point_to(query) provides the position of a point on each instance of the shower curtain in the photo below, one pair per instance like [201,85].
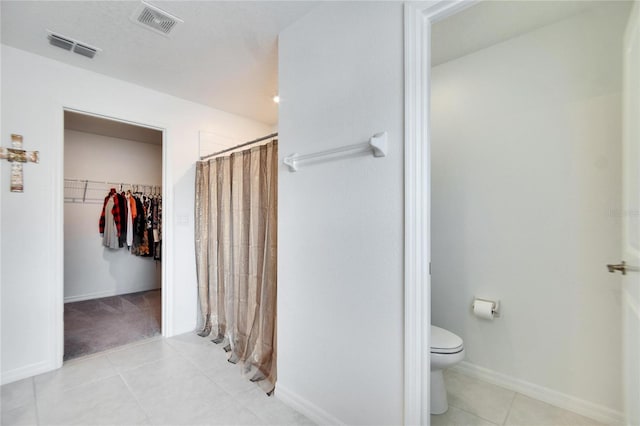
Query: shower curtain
[236,240]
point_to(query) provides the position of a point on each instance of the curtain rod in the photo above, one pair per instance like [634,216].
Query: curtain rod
[272,135]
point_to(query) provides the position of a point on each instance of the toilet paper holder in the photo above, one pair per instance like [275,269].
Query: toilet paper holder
[495,310]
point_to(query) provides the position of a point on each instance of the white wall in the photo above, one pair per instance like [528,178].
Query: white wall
[526,162]
[34,92]
[340,239]
[90,269]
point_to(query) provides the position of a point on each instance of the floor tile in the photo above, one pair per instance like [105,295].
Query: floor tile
[476,397]
[230,379]
[246,418]
[204,354]
[276,413]
[231,414]
[104,402]
[253,398]
[17,394]
[155,374]
[184,401]
[185,380]
[269,408]
[457,417]
[74,373]
[136,355]
[24,415]
[526,411]
[187,341]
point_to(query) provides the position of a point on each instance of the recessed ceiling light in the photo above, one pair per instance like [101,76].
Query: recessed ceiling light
[276,99]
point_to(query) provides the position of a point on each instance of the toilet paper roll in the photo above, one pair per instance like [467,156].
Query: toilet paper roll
[484,309]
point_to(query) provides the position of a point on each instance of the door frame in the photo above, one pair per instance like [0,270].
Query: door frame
[630,306]
[418,18]
[167,235]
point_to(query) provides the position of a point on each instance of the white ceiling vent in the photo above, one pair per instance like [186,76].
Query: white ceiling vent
[155,19]
[83,50]
[67,43]
[59,41]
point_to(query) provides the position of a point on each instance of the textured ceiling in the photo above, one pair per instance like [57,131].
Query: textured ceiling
[224,54]
[491,22]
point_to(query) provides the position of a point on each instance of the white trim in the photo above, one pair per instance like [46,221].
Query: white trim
[57,255]
[417,291]
[111,118]
[1,180]
[419,16]
[57,289]
[416,243]
[305,407]
[628,355]
[585,408]
[99,294]
[630,252]
[630,38]
[26,371]
[413,245]
[167,238]
[631,302]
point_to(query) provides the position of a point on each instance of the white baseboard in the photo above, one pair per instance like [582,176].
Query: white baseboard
[585,408]
[99,294]
[303,406]
[26,371]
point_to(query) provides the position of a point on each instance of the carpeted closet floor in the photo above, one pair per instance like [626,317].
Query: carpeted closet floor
[96,325]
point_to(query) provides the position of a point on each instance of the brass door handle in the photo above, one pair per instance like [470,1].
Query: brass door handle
[622,267]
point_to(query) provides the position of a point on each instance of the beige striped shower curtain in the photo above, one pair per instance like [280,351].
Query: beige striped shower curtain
[236,256]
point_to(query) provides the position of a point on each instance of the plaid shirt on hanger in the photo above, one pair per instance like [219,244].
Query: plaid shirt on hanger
[115,211]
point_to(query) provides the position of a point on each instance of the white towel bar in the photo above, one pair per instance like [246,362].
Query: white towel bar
[377,144]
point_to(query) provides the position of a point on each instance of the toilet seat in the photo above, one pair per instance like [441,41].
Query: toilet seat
[444,342]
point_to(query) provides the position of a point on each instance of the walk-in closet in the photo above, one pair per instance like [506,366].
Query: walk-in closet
[112,233]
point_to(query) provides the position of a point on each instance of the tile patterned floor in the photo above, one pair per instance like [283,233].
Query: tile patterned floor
[184,380]
[474,402]
[92,326]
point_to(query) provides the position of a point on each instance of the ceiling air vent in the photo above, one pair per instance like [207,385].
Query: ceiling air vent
[155,19]
[67,43]
[83,50]
[58,41]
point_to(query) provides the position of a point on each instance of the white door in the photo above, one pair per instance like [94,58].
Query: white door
[631,220]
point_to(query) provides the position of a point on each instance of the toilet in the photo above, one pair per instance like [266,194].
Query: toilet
[446,350]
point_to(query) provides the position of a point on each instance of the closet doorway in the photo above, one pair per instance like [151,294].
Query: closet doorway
[112,233]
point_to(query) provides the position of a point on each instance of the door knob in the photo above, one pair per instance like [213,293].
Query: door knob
[622,267]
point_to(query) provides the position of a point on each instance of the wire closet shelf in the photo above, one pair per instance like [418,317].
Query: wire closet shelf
[93,191]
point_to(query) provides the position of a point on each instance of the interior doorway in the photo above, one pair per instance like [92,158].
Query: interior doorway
[590,153]
[113,274]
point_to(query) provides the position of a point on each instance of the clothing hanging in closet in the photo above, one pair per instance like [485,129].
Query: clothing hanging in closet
[110,226]
[132,220]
